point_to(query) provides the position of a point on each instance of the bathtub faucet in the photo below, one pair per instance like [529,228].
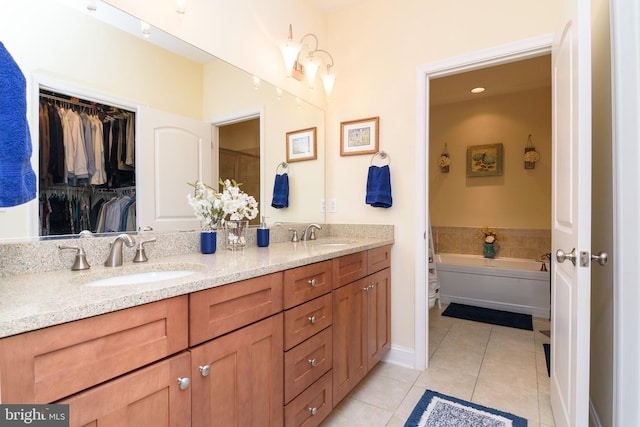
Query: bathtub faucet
[544,264]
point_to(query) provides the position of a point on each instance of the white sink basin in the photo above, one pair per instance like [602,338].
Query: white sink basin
[138,278]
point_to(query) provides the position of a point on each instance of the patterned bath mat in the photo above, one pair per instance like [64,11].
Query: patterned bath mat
[439,410]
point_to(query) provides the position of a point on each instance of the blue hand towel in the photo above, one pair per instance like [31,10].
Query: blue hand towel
[17,179]
[379,187]
[281,192]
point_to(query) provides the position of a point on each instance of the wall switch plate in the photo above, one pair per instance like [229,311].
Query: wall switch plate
[333,206]
[323,206]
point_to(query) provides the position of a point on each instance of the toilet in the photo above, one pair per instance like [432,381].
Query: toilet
[434,288]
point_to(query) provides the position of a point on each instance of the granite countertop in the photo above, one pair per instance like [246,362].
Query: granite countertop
[38,300]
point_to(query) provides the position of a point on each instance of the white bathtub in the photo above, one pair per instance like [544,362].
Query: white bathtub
[510,284]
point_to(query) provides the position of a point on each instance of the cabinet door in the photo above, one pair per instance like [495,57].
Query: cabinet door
[150,396]
[349,338]
[237,379]
[378,316]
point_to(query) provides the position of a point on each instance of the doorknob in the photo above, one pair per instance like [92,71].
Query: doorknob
[561,256]
[601,258]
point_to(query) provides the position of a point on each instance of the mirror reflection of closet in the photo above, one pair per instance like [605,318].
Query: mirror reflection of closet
[86,166]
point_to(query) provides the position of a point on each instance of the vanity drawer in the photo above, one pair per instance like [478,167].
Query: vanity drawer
[302,284]
[349,268]
[307,362]
[312,406]
[379,259]
[48,364]
[306,320]
[216,311]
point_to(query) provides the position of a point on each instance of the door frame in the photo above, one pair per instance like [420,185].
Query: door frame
[524,49]
[229,119]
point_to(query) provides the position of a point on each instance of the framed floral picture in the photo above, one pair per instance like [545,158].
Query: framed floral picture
[485,160]
[359,136]
[301,145]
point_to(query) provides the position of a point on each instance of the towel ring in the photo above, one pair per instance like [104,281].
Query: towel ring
[284,165]
[382,155]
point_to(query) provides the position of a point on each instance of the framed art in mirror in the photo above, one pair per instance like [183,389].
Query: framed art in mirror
[302,145]
[485,160]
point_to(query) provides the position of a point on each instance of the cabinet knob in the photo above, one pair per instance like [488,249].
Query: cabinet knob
[205,370]
[313,362]
[313,320]
[183,383]
[312,282]
[313,410]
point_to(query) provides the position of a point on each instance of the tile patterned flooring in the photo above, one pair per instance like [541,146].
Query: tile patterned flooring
[499,367]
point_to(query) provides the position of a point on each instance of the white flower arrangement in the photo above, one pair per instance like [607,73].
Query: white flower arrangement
[213,208]
[444,161]
[489,235]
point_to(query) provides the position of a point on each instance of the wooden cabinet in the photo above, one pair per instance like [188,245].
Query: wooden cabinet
[361,319]
[237,379]
[150,396]
[52,363]
[308,344]
[280,349]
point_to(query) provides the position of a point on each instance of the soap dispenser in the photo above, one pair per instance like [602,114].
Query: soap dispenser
[263,234]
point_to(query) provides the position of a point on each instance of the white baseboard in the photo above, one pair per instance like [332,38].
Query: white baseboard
[401,356]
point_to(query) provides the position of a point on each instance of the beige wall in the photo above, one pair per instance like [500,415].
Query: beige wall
[520,198]
[378,46]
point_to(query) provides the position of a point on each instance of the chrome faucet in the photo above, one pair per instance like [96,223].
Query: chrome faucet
[115,255]
[310,236]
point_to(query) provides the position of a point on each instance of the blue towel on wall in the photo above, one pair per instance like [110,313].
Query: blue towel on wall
[281,192]
[379,187]
[17,179]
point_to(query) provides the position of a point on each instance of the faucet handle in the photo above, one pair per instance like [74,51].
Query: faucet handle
[141,256]
[80,263]
[294,236]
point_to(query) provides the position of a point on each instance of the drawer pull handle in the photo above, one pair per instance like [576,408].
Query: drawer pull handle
[312,282]
[183,383]
[313,362]
[205,370]
[368,288]
[313,320]
[313,410]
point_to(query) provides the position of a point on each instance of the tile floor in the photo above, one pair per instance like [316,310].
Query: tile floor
[499,367]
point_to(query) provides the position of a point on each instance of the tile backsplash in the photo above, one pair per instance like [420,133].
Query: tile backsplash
[512,242]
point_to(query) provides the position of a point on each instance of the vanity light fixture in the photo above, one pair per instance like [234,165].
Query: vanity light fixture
[301,59]
[181,6]
[477,90]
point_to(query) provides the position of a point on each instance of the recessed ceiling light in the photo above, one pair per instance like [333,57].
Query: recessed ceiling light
[477,90]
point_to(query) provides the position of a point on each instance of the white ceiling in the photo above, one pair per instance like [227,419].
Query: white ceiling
[330,6]
[512,77]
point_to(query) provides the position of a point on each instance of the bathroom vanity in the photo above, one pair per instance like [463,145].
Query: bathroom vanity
[266,336]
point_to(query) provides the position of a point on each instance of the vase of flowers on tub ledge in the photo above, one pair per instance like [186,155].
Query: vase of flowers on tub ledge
[490,237]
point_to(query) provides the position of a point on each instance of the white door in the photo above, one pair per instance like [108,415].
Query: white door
[172,151]
[571,223]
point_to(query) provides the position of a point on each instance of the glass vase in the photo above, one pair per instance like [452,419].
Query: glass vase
[236,234]
[489,250]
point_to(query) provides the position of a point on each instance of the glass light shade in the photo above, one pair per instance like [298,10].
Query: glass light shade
[311,65]
[328,80]
[290,50]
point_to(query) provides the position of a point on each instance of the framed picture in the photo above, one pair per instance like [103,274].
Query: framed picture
[485,160]
[301,145]
[359,137]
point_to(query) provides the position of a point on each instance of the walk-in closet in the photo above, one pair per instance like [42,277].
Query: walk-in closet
[86,167]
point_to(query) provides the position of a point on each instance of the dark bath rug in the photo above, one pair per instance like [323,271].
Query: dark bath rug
[489,315]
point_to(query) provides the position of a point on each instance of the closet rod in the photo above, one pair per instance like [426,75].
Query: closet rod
[79,102]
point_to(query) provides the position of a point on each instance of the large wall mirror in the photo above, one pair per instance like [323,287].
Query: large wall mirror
[65,45]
